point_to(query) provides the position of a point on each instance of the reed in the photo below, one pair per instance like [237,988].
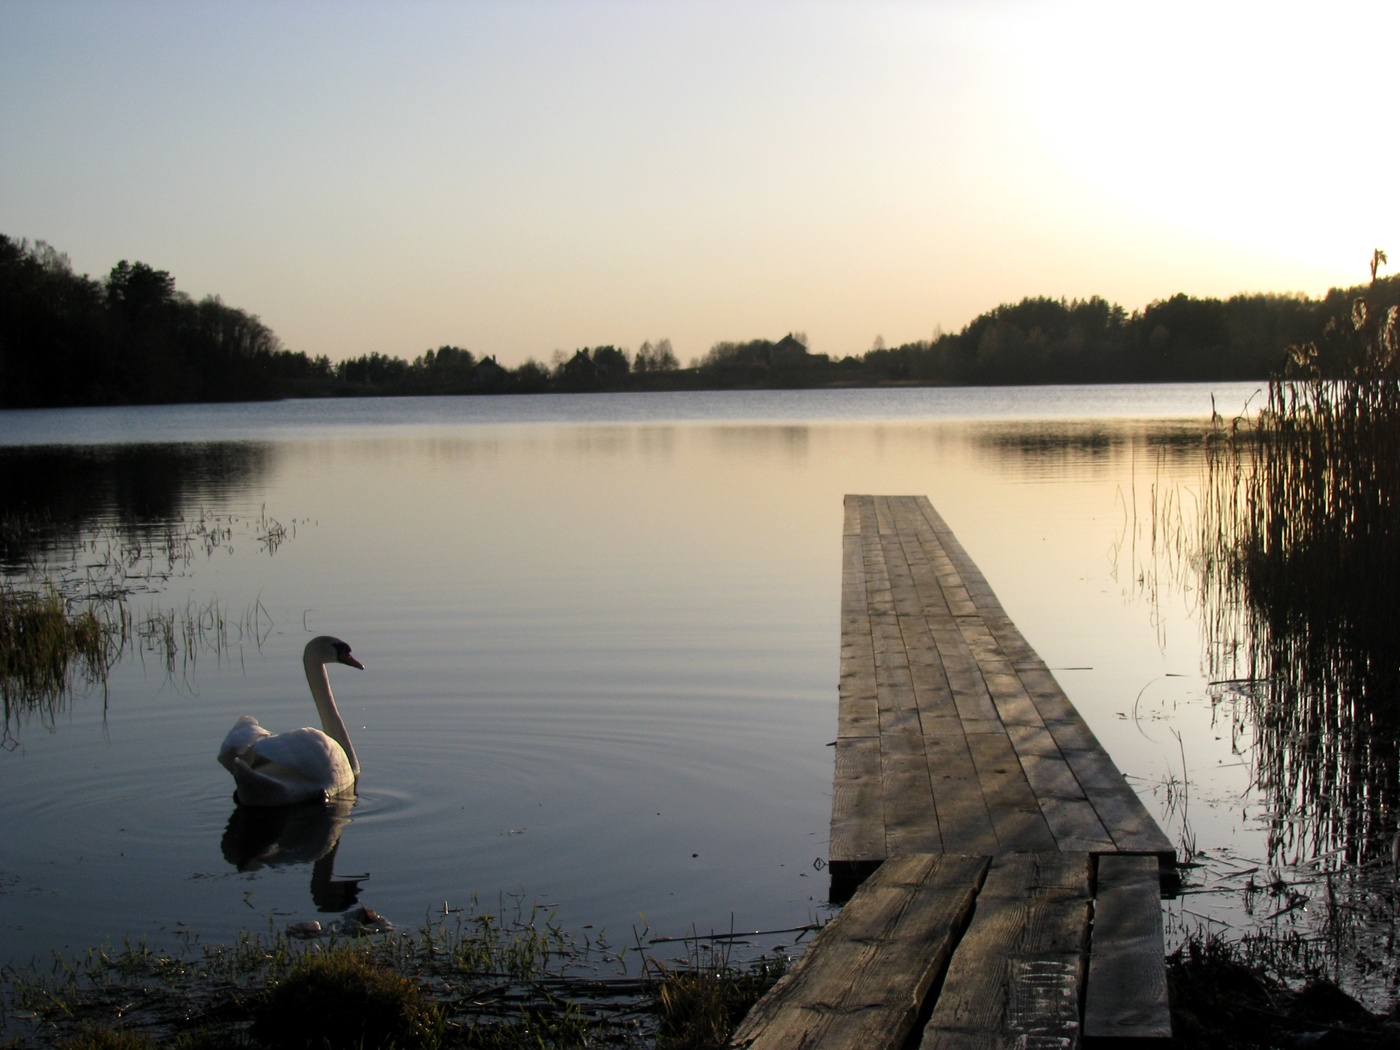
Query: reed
[1300,557]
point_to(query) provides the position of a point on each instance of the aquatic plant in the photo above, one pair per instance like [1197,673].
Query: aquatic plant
[1229,994]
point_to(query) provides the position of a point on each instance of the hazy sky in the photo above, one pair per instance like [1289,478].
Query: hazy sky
[517,177]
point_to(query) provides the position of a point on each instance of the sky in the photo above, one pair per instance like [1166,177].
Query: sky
[523,176]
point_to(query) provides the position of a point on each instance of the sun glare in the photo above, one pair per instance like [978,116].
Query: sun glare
[1236,125]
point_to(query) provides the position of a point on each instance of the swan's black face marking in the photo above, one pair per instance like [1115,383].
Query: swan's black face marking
[342,654]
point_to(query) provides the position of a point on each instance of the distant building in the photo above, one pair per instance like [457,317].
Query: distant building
[786,352]
[487,374]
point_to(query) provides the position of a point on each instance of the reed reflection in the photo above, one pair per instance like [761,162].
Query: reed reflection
[257,837]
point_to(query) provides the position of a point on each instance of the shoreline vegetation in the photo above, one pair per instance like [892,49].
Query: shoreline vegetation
[502,978]
[131,338]
[493,980]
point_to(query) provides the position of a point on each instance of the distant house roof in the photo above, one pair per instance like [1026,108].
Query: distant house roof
[787,352]
[487,374]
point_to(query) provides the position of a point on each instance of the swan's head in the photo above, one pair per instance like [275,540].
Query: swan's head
[328,650]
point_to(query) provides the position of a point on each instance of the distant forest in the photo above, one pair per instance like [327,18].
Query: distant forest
[133,338]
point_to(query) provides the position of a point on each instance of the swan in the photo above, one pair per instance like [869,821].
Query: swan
[281,769]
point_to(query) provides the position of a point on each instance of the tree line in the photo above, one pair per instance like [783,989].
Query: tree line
[133,337]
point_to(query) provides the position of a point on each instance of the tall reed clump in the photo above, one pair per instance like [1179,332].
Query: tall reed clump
[1303,543]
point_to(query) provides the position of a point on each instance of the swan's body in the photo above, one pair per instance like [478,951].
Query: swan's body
[280,769]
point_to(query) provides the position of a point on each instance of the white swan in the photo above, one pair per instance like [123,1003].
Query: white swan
[279,769]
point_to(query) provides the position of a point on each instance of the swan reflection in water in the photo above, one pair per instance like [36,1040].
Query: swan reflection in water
[306,833]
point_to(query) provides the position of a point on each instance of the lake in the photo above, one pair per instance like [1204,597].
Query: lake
[600,635]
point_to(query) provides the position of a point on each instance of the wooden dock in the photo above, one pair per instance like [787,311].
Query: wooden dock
[1015,894]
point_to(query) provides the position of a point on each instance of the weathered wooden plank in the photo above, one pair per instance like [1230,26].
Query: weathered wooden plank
[969,691]
[859,986]
[1067,809]
[907,826]
[1011,700]
[963,821]
[857,802]
[1015,811]
[932,693]
[1126,995]
[1073,822]
[1033,740]
[1014,979]
[884,516]
[1120,810]
[850,512]
[859,708]
[877,581]
[1049,875]
[911,822]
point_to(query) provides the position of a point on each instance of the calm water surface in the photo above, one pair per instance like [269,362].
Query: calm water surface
[600,636]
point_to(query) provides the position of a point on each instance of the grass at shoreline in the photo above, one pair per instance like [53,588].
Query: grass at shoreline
[483,980]
[503,979]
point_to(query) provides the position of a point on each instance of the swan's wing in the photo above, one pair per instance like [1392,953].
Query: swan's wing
[241,738]
[309,752]
[291,767]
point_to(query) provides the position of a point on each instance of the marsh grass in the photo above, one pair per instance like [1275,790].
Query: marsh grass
[113,561]
[1228,994]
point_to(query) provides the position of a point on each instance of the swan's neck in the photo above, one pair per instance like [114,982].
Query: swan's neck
[331,721]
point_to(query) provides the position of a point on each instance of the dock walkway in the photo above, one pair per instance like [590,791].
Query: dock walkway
[1014,899]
